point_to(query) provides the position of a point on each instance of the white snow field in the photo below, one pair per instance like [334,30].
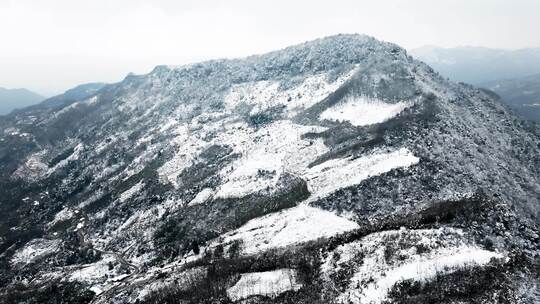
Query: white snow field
[424,269]
[63,215]
[291,226]
[274,149]
[363,111]
[35,249]
[94,273]
[269,283]
[262,95]
[202,197]
[444,251]
[246,178]
[124,196]
[340,173]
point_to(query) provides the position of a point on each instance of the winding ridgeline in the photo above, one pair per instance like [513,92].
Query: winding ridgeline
[340,170]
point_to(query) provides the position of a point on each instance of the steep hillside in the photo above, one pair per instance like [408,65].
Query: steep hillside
[340,170]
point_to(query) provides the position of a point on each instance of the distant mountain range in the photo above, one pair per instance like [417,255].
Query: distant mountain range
[79,92]
[11,99]
[477,65]
[522,94]
[512,74]
[70,96]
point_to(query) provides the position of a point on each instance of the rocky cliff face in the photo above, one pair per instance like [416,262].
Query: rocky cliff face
[339,170]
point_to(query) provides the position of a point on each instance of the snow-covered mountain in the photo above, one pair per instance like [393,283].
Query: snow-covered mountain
[340,170]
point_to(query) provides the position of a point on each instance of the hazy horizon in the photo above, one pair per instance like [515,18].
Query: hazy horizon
[50,47]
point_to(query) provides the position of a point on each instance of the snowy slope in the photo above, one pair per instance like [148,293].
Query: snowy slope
[276,178]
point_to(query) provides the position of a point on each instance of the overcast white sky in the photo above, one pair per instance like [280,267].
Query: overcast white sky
[49,46]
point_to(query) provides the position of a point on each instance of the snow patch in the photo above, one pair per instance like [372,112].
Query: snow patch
[96,290]
[202,197]
[263,95]
[137,230]
[362,111]
[268,283]
[33,168]
[266,153]
[64,215]
[424,270]
[91,100]
[291,226]
[256,172]
[80,225]
[336,174]
[34,250]
[380,260]
[95,273]
[188,147]
[131,191]
[74,156]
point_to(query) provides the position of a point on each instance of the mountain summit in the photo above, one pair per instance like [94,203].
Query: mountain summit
[340,170]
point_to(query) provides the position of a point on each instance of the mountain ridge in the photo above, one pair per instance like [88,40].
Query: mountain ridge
[209,182]
[11,99]
[477,65]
